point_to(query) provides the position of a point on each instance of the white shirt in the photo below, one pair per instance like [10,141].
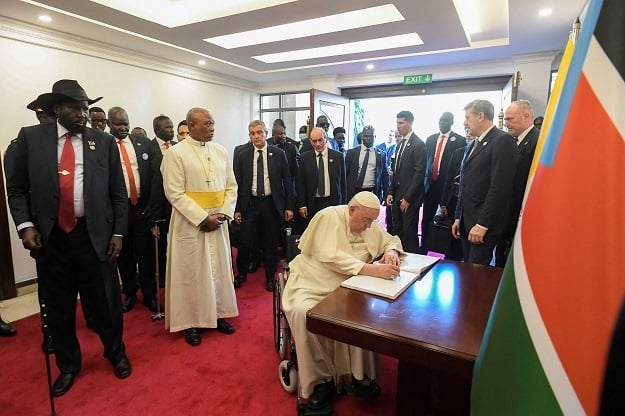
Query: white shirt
[132,156]
[265,171]
[369,180]
[521,136]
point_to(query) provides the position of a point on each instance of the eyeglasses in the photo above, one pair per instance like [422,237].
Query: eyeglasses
[368,135]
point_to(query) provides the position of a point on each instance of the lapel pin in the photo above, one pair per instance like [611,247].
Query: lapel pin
[452,139]
[145,156]
[484,144]
[331,160]
[91,144]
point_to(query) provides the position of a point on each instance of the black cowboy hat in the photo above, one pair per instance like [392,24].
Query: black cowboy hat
[63,90]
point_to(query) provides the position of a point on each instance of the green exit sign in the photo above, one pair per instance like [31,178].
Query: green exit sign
[417,79]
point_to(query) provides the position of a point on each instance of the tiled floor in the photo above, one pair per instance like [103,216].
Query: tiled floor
[25,304]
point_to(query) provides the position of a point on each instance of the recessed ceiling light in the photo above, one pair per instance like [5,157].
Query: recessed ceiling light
[399,41]
[180,13]
[370,66]
[304,28]
[201,62]
[545,12]
[45,18]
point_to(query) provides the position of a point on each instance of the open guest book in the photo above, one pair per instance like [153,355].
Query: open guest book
[411,268]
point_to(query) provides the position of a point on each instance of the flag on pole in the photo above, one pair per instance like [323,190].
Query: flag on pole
[551,329]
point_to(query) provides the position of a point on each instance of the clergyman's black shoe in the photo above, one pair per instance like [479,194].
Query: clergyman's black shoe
[269,285]
[129,303]
[224,327]
[122,368]
[6,330]
[63,383]
[193,337]
[239,280]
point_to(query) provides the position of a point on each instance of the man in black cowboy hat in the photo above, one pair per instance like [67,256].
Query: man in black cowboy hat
[68,200]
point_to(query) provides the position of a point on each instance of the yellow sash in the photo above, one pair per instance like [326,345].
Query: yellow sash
[208,200]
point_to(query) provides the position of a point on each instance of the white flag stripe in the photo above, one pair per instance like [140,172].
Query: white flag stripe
[556,375]
[607,84]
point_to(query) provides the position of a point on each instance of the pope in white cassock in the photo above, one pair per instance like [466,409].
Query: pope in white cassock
[200,185]
[340,241]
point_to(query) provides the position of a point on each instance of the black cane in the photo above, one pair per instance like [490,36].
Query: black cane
[159,314]
[46,352]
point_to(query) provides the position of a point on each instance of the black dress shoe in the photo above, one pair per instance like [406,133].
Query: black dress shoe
[224,327]
[270,285]
[193,337]
[320,397]
[122,368]
[129,303]
[150,303]
[63,383]
[7,330]
[357,389]
[239,280]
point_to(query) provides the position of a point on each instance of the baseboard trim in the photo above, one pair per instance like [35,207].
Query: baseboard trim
[27,282]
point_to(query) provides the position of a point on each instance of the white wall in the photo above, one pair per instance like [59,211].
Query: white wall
[30,66]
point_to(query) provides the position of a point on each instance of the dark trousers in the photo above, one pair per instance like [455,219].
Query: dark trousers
[262,223]
[137,249]
[406,225]
[66,266]
[431,202]
[479,253]
[389,220]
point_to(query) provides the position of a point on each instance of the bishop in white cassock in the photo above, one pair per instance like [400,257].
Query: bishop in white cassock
[200,185]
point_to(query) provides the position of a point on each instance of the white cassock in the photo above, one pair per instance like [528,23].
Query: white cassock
[330,253]
[198,181]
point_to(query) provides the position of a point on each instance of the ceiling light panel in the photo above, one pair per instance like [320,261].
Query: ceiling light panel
[354,19]
[174,13]
[399,41]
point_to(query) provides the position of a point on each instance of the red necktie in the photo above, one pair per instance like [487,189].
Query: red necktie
[166,144]
[131,176]
[437,157]
[66,216]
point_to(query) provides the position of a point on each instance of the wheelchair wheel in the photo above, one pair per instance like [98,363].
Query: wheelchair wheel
[285,337]
[288,376]
[277,313]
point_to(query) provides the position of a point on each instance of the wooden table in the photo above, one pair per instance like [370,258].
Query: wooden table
[434,328]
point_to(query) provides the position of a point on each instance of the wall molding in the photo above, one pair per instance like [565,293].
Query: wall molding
[23,32]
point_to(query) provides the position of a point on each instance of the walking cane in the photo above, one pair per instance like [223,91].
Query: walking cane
[46,352]
[158,315]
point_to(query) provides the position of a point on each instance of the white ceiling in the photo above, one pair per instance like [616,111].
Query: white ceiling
[509,28]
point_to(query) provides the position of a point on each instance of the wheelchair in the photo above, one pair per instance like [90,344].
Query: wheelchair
[283,341]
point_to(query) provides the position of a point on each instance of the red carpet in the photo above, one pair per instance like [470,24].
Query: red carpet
[226,375]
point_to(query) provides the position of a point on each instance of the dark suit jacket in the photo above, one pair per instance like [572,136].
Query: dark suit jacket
[452,177]
[351,170]
[526,150]
[307,178]
[407,182]
[486,181]
[33,185]
[292,156]
[279,178]
[454,141]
